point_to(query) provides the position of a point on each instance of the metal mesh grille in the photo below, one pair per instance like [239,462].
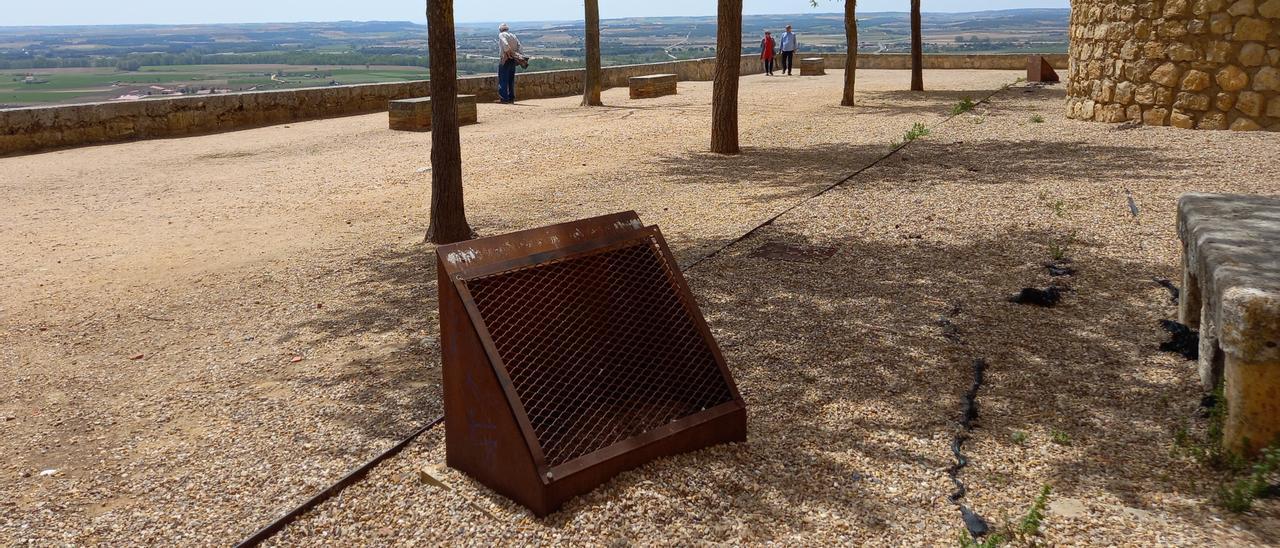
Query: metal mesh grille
[599,346]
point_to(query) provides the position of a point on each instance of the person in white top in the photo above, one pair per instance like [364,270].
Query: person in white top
[509,49]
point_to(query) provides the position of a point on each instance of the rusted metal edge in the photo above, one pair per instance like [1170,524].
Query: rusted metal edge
[465,257]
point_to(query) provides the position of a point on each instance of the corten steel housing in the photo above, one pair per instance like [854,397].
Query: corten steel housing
[1039,70]
[573,353]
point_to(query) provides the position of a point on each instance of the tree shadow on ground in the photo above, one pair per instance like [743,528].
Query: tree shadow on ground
[849,378]
[866,324]
[796,173]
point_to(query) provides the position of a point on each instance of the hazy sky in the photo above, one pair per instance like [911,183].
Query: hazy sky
[90,12]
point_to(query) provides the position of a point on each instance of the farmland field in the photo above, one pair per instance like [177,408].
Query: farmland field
[43,86]
[51,65]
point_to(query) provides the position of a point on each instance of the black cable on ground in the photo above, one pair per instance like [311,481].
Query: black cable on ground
[359,473]
[354,476]
[974,523]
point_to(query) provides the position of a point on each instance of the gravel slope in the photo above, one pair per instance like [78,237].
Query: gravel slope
[853,389]
[222,259]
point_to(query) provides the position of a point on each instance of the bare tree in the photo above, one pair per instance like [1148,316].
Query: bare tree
[724,90]
[448,215]
[591,89]
[917,49]
[851,50]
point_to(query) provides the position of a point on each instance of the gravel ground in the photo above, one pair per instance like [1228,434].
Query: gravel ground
[275,285]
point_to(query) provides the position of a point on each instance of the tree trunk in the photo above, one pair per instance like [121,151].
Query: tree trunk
[448,217]
[917,49]
[591,91]
[851,53]
[724,91]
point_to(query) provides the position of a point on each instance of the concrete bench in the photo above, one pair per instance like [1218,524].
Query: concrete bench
[415,114]
[813,66]
[1231,281]
[653,85]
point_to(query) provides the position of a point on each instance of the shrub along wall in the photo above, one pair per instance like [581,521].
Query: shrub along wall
[33,129]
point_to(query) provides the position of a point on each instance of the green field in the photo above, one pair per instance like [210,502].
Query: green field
[104,84]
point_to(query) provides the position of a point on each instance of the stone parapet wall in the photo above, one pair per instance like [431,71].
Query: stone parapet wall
[1207,64]
[25,130]
[902,61]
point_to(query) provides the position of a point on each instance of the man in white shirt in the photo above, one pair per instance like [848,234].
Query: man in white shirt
[788,45]
[509,49]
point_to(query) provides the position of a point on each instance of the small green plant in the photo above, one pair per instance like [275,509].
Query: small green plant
[917,131]
[1060,437]
[1023,532]
[1240,496]
[1060,208]
[1209,451]
[1037,119]
[965,105]
[1058,248]
[1029,525]
[990,541]
[1019,437]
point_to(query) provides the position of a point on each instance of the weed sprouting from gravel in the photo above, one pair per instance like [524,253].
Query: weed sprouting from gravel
[1029,525]
[1019,437]
[1236,495]
[965,105]
[1037,119]
[917,131]
[1060,437]
[1025,532]
[991,541]
[1240,495]
[1059,247]
[1209,451]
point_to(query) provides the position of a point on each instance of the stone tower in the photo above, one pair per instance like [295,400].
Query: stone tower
[1207,64]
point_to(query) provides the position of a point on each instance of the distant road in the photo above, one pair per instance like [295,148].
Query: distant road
[668,49]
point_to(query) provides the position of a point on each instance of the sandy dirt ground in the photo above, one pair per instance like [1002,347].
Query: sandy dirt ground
[200,333]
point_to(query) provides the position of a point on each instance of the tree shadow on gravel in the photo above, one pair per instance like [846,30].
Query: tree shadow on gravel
[387,374]
[861,332]
[793,174]
[849,379]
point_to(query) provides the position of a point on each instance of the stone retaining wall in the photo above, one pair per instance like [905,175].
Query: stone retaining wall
[33,129]
[902,61]
[1207,64]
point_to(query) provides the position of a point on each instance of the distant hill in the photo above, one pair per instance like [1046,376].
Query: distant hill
[105,62]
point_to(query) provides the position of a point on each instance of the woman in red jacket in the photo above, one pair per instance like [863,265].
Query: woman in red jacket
[766,53]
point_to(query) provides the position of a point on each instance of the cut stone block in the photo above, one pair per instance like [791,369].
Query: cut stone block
[415,114]
[813,66]
[653,85]
[1231,280]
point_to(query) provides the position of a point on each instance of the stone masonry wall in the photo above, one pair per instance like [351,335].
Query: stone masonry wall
[25,130]
[1207,64]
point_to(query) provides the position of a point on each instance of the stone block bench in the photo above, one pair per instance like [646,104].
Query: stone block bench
[653,85]
[415,114]
[813,66]
[1231,281]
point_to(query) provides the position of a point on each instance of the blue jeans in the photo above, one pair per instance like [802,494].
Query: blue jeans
[507,81]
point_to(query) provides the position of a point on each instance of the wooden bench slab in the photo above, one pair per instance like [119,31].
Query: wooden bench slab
[415,114]
[653,85]
[1231,281]
[813,66]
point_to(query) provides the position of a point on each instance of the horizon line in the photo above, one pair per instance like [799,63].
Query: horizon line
[543,21]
